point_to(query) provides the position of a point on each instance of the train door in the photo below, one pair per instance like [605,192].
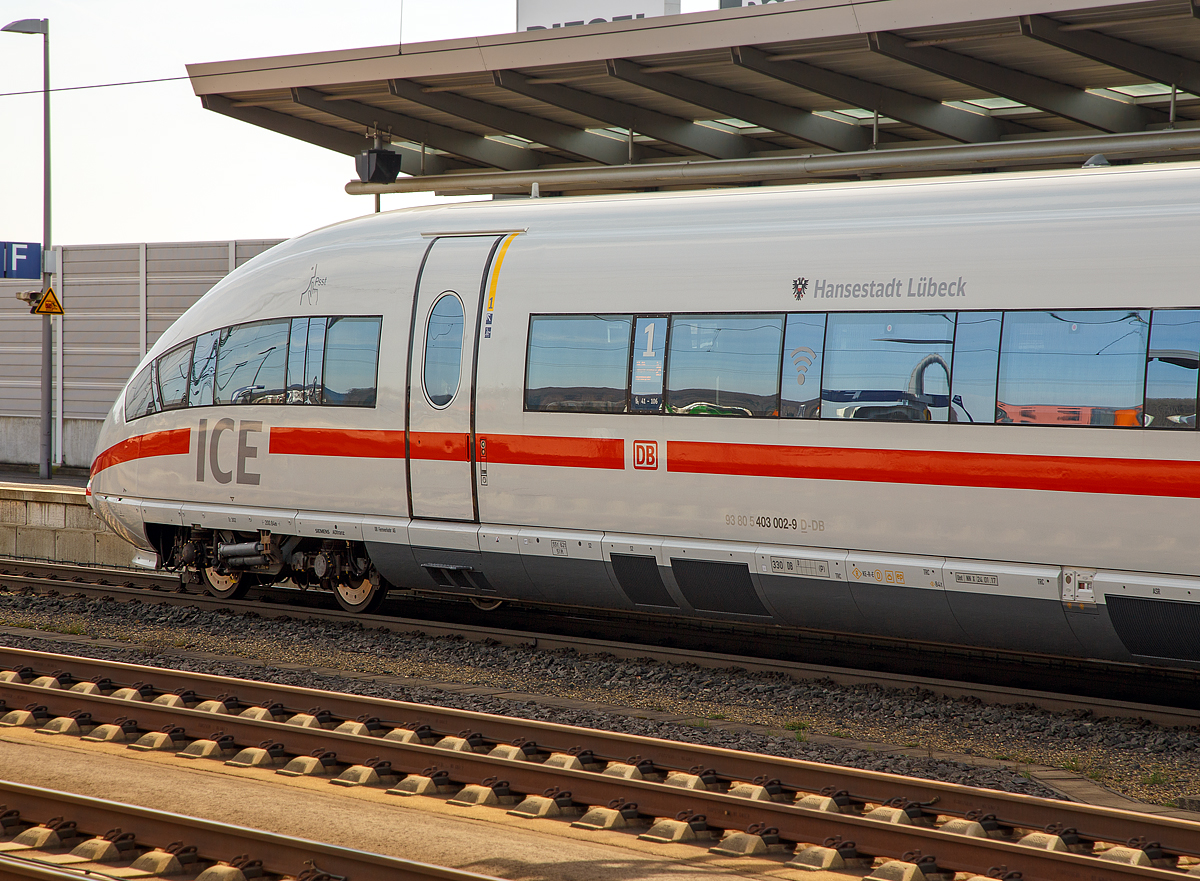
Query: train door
[442,378]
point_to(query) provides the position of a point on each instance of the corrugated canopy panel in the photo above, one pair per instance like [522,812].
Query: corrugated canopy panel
[587,109]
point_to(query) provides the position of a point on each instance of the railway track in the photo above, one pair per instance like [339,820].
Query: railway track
[568,632]
[58,835]
[818,815]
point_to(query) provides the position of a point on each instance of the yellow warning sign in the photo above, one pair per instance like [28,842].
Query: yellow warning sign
[48,305]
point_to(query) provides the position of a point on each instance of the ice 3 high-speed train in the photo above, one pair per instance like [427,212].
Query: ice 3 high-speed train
[960,410]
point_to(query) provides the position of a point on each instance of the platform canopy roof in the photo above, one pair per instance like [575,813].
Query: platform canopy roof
[766,94]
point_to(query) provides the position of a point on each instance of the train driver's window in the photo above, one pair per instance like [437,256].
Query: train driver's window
[1073,367]
[314,361]
[1171,369]
[351,361]
[297,349]
[204,369]
[888,366]
[174,373]
[251,362]
[139,396]
[443,350]
[976,360]
[578,363]
[724,365]
[803,345]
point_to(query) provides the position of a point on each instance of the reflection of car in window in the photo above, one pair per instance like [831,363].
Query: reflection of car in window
[705,408]
[913,405]
[876,366]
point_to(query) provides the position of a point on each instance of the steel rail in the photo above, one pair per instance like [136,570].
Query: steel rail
[80,575]
[216,841]
[1025,812]
[13,866]
[796,824]
[168,591]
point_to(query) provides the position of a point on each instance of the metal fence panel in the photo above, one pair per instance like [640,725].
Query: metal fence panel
[118,299]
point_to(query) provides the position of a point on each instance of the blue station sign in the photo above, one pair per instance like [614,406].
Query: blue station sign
[20,260]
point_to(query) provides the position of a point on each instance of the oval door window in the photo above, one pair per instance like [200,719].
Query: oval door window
[443,350]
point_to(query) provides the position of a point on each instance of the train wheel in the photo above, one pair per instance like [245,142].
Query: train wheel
[232,586]
[361,594]
[486,605]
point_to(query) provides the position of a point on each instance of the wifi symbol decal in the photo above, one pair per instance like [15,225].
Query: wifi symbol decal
[802,358]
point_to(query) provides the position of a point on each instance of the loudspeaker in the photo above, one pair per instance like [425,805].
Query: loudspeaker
[377,166]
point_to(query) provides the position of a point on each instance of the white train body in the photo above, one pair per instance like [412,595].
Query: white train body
[1067,539]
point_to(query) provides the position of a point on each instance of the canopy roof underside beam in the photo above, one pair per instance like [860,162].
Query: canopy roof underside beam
[783,92]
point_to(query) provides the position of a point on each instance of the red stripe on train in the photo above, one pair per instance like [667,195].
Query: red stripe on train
[506,449]
[1137,477]
[362,444]
[561,452]
[439,447]
[1145,477]
[336,442]
[176,442]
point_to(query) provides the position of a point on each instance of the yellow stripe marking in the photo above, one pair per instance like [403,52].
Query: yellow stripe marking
[491,301]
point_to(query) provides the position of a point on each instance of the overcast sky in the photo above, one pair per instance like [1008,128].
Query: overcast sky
[145,163]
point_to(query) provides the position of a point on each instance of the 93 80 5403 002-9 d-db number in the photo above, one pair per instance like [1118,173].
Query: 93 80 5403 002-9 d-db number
[766,521]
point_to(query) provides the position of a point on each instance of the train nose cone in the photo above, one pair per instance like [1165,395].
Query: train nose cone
[111,488]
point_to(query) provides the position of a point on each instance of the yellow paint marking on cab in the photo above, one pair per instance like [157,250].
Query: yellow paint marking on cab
[491,301]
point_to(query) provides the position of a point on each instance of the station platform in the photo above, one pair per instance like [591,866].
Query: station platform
[51,520]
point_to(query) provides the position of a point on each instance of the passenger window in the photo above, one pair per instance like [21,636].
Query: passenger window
[443,350]
[351,361]
[976,360]
[891,367]
[251,362]
[204,369]
[803,345]
[174,371]
[649,358]
[139,397]
[1073,367]
[1171,368]
[577,363]
[297,349]
[724,365]
[314,360]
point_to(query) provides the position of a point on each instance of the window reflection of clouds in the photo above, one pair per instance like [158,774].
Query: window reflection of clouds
[888,366]
[204,368]
[803,349]
[1073,367]
[976,356]
[174,374]
[297,349]
[351,356]
[1171,369]
[248,364]
[139,396]
[578,363]
[443,350]
[251,363]
[724,365]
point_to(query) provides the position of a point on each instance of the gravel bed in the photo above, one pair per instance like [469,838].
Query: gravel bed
[1136,758]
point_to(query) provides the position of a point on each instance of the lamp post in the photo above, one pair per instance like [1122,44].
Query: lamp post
[42,26]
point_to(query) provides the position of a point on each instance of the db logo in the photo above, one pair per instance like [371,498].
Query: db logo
[645,455]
